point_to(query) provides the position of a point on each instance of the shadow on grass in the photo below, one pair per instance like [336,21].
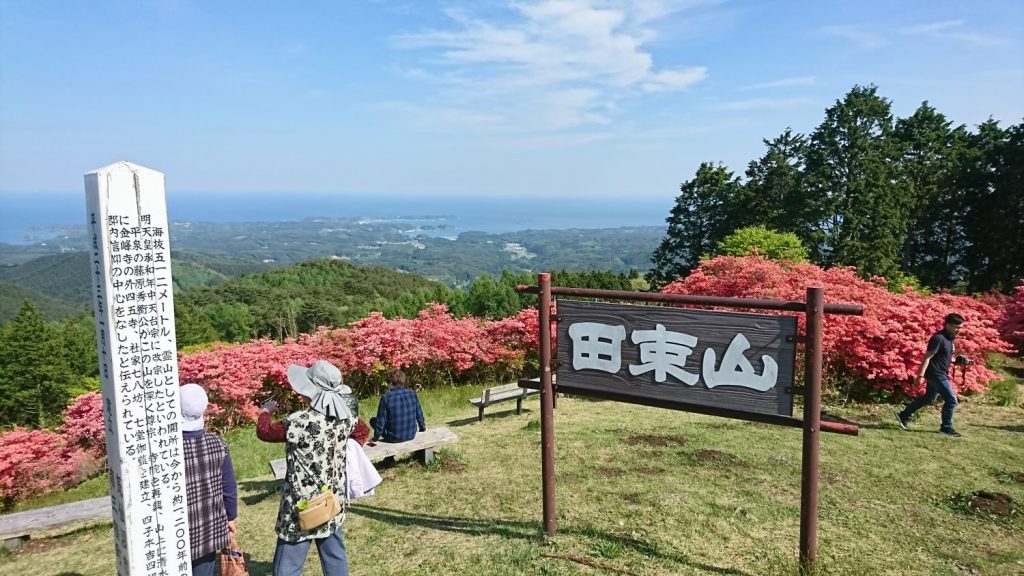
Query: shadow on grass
[259,568]
[918,429]
[917,424]
[263,489]
[1008,427]
[488,416]
[472,526]
[1015,371]
[829,417]
[528,531]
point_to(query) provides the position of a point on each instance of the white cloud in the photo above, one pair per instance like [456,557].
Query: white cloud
[678,79]
[762,104]
[551,64]
[953,30]
[859,35]
[782,83]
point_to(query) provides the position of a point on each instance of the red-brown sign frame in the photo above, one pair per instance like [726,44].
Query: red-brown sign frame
[814,308]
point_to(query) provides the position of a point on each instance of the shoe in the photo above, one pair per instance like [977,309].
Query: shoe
[903,423]
[950,433]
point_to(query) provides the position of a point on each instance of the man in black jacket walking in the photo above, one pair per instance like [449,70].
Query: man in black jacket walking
[934,371]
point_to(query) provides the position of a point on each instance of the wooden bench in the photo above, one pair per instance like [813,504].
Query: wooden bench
[502,394]
[16,528]
[422,446]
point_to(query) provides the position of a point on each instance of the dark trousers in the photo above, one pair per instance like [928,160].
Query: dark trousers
[935,387]
[205,566]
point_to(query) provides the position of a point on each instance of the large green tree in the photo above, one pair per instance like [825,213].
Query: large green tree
[856,205]
[993,207]
[233,321]
[489,298]
[78,338]
[1011,186]
[933,153]
[191,326]
[771,195]
[34,375]
[700,218]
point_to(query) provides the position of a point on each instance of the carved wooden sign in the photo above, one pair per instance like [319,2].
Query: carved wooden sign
[731,360]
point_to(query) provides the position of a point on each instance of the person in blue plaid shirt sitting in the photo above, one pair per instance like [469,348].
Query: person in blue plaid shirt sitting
[399,413]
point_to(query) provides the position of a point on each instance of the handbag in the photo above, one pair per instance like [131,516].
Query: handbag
[232,562]
[321,508]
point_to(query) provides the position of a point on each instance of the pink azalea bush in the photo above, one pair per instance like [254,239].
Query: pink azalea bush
[83,425]
[879,351]
[433,348]
[1012,326]
[35,462]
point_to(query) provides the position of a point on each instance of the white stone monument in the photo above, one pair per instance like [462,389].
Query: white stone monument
[134,305]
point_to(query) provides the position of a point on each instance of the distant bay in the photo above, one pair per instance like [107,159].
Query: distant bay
[31,217]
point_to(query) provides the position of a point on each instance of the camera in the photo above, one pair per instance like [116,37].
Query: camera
[962,360]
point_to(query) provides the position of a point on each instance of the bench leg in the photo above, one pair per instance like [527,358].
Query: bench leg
[519,405]
[425,456]
[554,399]
[480,416]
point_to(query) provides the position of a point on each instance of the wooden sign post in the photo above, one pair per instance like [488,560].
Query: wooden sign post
[134,305]
[735,365]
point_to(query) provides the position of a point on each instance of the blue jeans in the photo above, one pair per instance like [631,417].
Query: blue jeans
[935,388]
[290,557]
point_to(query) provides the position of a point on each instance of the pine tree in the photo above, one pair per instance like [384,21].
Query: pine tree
[772,193]
[857,207]
[78,338]
[700,218]
[1011,194]
[34,376]
[933,153]
[993,207]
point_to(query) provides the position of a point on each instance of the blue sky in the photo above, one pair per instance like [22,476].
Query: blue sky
[550,97]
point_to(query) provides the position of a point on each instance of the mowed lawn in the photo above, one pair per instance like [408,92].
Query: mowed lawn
[648,491]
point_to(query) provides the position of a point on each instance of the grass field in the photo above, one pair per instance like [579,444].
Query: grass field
[647,491]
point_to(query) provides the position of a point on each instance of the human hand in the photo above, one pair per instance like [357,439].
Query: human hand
[270,406]
[232,527]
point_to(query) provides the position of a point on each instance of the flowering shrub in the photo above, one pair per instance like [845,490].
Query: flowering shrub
[1012,326]
[34,462]
[880,351]
[434,348]
[83,425]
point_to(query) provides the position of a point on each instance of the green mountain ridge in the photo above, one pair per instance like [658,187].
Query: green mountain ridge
[59,284]
[12,297]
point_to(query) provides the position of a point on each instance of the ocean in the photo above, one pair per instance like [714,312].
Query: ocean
[29,217]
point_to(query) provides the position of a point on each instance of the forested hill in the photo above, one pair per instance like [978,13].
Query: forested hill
[58,284]
[287,301]
[60,276]
[12,297]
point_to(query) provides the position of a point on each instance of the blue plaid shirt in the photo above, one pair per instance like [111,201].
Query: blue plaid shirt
[398,414]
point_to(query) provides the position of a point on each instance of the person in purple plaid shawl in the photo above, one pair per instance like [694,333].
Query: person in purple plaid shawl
[209,484]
